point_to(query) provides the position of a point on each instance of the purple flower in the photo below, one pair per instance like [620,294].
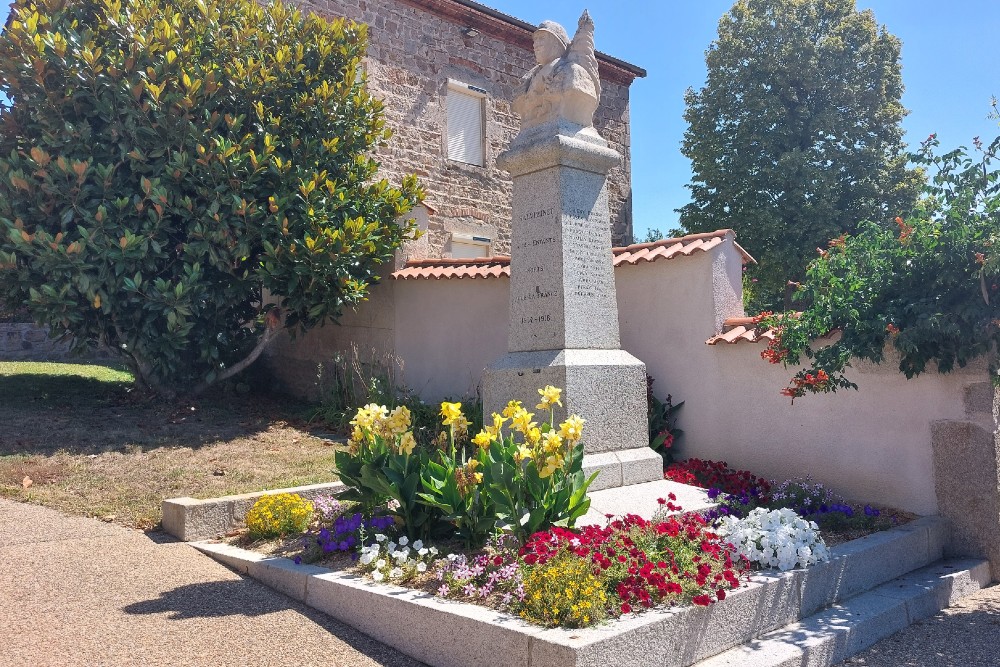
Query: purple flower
[713,493]
[443,590]
[469,590]
[298,560]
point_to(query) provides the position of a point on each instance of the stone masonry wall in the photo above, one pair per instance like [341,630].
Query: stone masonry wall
[24,341]
[412,53]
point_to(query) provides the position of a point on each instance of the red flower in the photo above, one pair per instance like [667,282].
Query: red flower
[721,594]
[626,608]
[701,600]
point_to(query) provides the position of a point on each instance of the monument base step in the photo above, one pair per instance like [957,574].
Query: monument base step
[605,387]
[642,500]
[623,468]
[849,627]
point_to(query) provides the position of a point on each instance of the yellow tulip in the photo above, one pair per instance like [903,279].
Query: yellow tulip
[552,463]
[521,421]
[370,416]
[572,428]
[550,396]
[407,443]
[450,412]
[498,422]
[552,442]
[512,408]
[398,421]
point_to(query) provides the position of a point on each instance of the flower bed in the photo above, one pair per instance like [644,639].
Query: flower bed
[557,577]
[489,520]
[740,492]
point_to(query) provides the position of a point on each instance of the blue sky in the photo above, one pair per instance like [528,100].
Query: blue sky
[950,55]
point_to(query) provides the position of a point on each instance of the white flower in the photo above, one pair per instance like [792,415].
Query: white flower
[421,567]
[395,572]
[422,552]
[403,541]
[380,537]
[391,547]
[779,538]
[418,545]
[377,575]
[434,551]
[380,563]
[367,558]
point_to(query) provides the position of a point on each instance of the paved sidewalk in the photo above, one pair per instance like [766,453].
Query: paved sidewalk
[78,592]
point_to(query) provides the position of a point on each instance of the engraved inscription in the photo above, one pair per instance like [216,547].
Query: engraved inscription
[537,294]
[588,252]
[536,319]
[535,243]
[540,213]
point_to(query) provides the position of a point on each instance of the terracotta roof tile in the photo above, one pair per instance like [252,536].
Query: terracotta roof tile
[480,267]
[741,334]
[490,267]
[742,330]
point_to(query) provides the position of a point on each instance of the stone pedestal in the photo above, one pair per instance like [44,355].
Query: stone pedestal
[563,304]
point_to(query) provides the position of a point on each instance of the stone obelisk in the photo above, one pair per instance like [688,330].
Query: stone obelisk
[563,304]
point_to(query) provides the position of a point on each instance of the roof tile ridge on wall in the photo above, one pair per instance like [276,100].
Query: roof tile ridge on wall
[499,265]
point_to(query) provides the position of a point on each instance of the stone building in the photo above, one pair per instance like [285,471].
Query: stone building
[447,70]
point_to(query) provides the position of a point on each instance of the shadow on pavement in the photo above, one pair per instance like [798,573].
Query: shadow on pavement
[248,598]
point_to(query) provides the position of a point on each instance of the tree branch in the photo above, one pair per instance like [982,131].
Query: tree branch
[272,324]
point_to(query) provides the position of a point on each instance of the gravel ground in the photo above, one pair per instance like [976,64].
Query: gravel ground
[966,635]
[78,592]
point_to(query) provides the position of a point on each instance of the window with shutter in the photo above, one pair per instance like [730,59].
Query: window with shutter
[465,124]
[469,247]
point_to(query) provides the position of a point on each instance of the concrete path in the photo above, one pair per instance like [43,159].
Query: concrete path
[78,592]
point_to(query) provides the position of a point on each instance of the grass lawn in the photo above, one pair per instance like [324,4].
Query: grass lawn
[76,438]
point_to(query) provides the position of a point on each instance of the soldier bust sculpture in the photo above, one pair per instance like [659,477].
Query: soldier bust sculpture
[564,85]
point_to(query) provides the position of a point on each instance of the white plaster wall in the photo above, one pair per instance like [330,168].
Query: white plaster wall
[295,362]
[873,444]
[869,445]
[448,331]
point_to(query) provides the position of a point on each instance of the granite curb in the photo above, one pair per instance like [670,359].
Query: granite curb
[424,626]
[190,519]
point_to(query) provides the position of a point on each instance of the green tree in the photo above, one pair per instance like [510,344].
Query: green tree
[795,137]
[929,287]
[162,164]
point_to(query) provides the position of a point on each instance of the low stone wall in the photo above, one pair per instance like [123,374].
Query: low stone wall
[25,341]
